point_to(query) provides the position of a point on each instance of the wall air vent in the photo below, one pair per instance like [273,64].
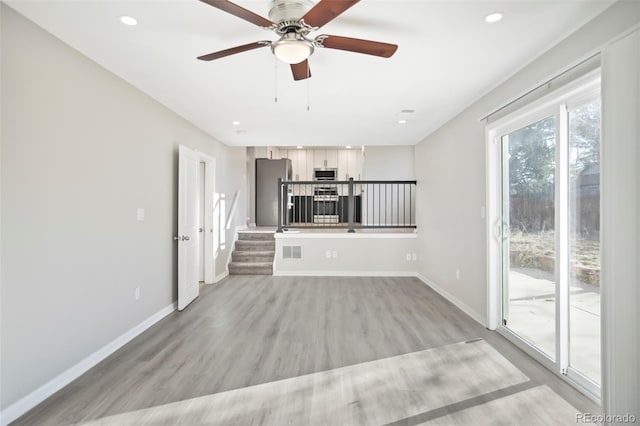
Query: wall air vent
[292,252]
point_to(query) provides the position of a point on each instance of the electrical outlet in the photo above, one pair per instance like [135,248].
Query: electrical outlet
[327,254]
[140,214]
[414,256]
[408,256]
[335,254]
[137,293]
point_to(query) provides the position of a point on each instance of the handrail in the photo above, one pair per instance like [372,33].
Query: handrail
[346,182]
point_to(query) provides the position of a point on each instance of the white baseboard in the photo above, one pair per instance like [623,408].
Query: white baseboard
[222,276]
[345,273]
[25,404]
[457,302]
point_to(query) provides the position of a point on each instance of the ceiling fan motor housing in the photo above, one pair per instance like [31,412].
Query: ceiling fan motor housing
[288,10]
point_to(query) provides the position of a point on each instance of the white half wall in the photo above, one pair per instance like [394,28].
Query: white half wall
[348,254]
[82,150]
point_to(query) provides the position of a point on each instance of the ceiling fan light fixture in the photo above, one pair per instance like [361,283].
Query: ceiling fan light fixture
[292,49]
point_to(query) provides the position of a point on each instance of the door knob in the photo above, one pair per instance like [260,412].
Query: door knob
[185,238]
[181,238]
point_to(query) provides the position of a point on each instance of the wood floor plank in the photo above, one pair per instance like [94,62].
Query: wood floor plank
[252,330]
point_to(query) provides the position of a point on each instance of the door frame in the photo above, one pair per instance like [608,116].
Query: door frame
[552,104]
[211,228]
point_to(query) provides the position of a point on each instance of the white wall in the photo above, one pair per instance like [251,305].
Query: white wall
[81,151]
[389,163]
[359,254]
[450,168]
[621,224]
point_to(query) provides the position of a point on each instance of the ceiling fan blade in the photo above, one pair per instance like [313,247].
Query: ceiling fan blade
[233,50]
[240,12]
[301,70]
[326,10]
[357,45]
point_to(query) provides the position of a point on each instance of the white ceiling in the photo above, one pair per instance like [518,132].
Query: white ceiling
[447,58]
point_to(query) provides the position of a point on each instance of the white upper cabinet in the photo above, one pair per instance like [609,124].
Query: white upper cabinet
[293,156]
[348,162]
[327,158]
[319,155]
[354,163]
[343,164]
[303,171]
[331,155]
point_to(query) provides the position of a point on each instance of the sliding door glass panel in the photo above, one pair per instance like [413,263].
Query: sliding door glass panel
[529,247]
[584,240]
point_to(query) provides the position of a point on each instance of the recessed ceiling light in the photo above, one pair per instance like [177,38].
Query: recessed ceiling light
[299,147]
[493,17]
[236,123]
[128,20]
[402,121]
[348,146]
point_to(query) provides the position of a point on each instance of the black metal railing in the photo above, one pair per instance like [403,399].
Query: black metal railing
[348,204]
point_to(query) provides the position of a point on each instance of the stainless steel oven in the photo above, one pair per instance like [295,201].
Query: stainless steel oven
[325,204]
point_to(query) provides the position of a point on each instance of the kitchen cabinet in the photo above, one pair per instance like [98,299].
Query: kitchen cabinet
[293,156]
[331,157]
[325,158]
[343,164]
[303,170]
[354,163]
[348,162]
[318,158]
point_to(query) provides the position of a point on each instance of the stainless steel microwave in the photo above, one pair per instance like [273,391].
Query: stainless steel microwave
[325,174]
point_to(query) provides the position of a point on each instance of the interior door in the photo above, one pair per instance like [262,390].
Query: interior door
[188,286]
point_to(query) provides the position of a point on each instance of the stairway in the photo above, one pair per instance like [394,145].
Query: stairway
[253,254]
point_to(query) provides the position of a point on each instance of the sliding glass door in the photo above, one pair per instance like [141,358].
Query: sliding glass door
[549,231]
[584,240]
[529,285]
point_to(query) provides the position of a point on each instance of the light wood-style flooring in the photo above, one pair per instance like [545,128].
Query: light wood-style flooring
[294,332]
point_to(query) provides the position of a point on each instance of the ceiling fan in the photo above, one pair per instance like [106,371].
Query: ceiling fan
[292,21]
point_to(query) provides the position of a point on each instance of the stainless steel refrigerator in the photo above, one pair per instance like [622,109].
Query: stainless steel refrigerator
[267,174]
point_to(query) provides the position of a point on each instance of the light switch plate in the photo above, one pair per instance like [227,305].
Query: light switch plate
[140,214]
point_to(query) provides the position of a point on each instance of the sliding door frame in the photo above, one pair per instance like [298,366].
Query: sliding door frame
[556,104]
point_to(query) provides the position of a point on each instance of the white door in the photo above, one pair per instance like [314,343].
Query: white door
[188,286]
